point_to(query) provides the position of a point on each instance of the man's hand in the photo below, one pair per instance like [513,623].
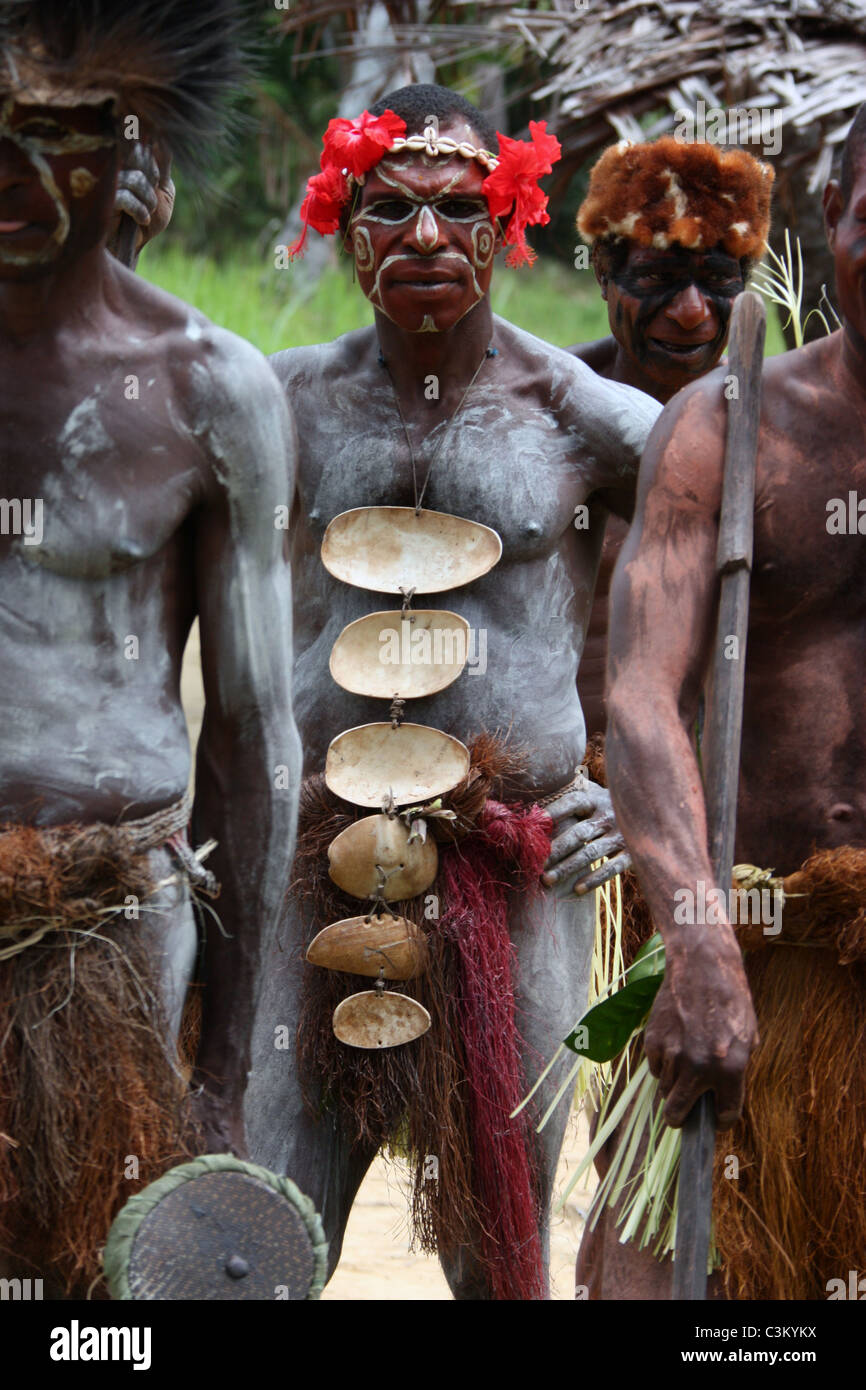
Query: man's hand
[220,1123]
[586,830]
[702,1029]
[145,192]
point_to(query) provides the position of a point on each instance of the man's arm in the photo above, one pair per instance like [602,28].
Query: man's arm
[664,599]
[610,423]
[248,767]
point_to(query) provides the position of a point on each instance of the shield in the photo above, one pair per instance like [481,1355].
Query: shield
[403,654]
[372,1020]
[414,762]
[362,946]
[374,853]
[392,549]
[217,1228]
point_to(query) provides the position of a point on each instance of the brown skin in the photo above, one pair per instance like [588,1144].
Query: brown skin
[634,354]
[803,755]
[156,510]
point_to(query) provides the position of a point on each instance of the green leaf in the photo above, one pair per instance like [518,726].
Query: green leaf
[606,1028]
[650,959]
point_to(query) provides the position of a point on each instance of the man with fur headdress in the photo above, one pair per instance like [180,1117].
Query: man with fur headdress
[146,454]
[790,1214]
[674,230]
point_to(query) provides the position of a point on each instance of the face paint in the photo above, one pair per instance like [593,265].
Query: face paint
[43,137]
[423,241]
[80,182]
[670,310]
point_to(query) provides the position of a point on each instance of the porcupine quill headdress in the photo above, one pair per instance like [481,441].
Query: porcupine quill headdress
[171,63]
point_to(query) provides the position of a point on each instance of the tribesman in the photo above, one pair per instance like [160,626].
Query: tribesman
[790,1190]
[431,444]
[674,231]
[146,456]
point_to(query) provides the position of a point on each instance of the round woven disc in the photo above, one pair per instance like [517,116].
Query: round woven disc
[185,1243]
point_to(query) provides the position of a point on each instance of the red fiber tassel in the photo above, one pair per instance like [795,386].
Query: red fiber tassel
[476,921]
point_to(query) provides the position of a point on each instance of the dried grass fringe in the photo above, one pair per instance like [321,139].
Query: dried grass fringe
[796,1215]
[87,1078]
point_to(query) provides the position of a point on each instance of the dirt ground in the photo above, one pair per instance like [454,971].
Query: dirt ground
[377,1263]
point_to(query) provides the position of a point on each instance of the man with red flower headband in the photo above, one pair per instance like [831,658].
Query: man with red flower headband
[441,404]
[353,148]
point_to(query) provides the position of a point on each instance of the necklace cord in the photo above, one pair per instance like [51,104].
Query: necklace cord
[489,351]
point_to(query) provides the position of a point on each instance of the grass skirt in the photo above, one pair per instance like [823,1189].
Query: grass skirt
[795,1216]
[91,1098]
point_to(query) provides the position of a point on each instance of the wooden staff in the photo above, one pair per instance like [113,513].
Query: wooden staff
[720,747]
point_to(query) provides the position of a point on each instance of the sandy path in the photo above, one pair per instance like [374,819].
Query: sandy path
[377,1263]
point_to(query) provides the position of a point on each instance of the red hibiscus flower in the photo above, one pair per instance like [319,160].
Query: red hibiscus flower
[357,145]
[514,185]
[327,195]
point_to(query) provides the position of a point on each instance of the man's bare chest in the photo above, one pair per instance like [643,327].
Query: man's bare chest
[103,475]
[810,526]
[509,466]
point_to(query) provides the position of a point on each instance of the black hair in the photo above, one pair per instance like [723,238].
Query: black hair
[175,64]
[414,104]
[852,153]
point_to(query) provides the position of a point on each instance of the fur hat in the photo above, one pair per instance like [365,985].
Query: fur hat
[172,63]
[667,191]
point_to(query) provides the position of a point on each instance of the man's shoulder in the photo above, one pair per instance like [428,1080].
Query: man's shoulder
[542,354]
[204,359]
[321,363]
[810,368]
[571,380]
[600,354]
[702,406]
[695,419]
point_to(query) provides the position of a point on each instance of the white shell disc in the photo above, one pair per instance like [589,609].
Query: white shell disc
[389,549]
[415,762]
[388,654]
[358,947]
[375,1020]
[379,840]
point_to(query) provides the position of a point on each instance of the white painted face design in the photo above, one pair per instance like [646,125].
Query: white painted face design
[424,254]
[39,136]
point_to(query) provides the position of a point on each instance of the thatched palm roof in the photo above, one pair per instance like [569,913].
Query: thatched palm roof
[611,64]
[595,68]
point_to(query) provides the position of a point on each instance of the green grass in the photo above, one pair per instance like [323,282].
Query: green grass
[273,308]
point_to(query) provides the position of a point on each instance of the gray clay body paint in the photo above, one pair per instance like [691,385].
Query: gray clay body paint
[519,463]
